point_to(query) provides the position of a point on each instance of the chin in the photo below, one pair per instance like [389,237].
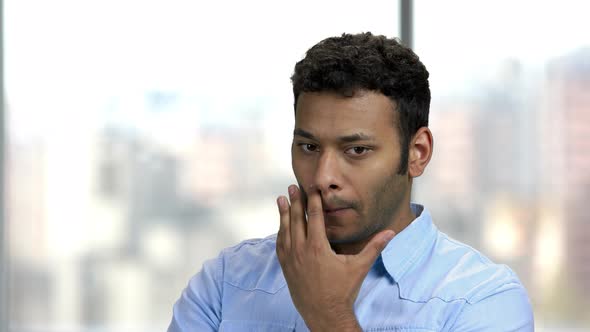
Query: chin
[341,235]
[335,237]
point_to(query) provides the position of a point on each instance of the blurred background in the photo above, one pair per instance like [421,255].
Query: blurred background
[141,137]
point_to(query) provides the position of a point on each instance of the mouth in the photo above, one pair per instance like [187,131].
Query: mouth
[337,211]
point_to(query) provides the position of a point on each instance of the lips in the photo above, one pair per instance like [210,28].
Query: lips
[334,206]
[337,212]
[330,210]
[337,207]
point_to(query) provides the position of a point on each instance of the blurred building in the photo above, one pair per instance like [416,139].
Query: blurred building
[448,186]
[565,136]
[26,202]
[29,281]
[483,173]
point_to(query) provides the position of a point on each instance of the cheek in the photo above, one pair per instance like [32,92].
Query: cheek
[374,185]
[302,170]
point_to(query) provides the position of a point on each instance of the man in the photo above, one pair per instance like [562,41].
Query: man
[352,253]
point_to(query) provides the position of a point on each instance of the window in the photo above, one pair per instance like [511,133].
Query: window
[510,117]
[142,138]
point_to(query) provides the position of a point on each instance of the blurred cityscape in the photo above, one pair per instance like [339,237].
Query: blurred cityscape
[153,215]
[109,234]
[511,177]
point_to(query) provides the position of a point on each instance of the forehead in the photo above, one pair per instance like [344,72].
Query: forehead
[327,114]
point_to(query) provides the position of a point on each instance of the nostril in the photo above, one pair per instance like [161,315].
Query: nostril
[333,186]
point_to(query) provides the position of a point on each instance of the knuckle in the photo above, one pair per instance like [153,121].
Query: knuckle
[280,254]
[316,249]
[284,226]
[294,212]
[299,254]
[284,212]
[314,212]
[280,244]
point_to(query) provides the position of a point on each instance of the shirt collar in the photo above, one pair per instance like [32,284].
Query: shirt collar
[407,247]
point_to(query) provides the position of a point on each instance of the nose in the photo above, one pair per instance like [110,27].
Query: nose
[328,175]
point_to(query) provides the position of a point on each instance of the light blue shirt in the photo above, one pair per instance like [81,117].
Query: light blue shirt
[423,281]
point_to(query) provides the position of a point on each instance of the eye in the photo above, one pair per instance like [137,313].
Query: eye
[357,151]
[307,147]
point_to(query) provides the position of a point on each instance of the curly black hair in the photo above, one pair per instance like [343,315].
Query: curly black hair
[357,62]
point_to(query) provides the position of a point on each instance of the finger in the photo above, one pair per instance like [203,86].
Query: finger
[297,218]
[284,234]
[373,249]
[316,228]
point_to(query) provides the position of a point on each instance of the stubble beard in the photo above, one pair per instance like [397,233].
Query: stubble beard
[379,215]
[386,201]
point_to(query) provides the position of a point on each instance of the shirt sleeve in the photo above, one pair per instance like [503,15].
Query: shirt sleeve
[508,310]
[199,306]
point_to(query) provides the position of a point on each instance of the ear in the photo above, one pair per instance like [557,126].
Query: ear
[420,152]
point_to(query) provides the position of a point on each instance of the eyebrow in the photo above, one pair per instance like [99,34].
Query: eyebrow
[346,139]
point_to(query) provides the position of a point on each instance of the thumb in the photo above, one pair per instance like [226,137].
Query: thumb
[373,249]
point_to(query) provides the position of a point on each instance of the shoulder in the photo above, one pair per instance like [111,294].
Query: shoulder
[453,271]
[491,295]
[253,265]
[251,248]
[249,265]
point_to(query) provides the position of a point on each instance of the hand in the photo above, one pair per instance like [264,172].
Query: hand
[323,284]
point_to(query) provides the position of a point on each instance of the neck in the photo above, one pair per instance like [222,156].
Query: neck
[399,223]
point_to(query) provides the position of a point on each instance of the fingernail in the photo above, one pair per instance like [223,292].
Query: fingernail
[292,189]
[282,201]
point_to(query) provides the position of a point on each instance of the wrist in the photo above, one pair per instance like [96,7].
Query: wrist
[341,321]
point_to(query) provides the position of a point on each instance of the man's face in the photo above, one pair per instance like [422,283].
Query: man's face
[348,149]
